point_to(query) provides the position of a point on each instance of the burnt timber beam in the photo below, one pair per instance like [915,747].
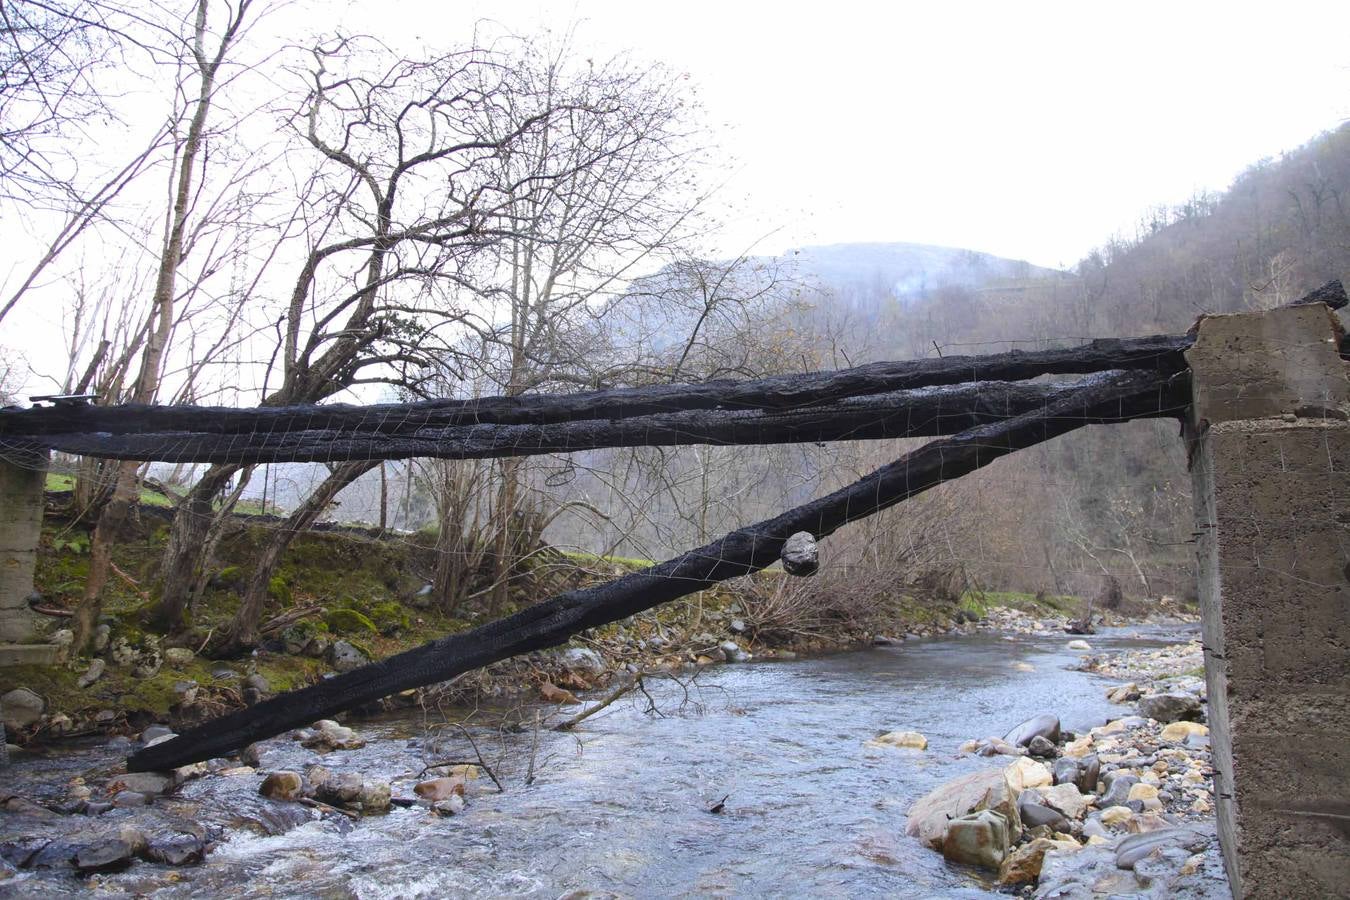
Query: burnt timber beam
[1161,354]
[923,412]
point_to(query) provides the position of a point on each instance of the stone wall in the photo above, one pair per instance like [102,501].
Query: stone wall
[1271,472]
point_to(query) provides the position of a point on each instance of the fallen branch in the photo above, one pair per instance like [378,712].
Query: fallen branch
[135,585]
[621,690]
[1113,397]
[324,807]
[288,618]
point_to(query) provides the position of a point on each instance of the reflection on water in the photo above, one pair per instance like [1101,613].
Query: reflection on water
[621,805]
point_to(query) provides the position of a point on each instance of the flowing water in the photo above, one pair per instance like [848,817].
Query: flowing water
[621,805]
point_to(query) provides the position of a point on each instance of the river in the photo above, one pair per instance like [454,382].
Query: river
[621,804]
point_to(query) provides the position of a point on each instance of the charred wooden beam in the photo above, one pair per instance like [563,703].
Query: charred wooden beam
[1160,353]
[924,412]
[782,392]
[1103,399]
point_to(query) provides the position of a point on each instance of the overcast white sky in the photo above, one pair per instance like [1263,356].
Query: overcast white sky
[1029,130]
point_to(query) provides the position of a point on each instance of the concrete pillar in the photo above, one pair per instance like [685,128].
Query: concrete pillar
[22,480]
[1271,475]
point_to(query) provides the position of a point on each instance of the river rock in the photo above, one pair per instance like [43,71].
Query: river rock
[1181,732]
[905,739]
[1118,789]
[990,746]
[1169,707]
[154,732]
[987,789]
[1079,645]
[151,784]
[801,555]
[93,673]
[450,806]
[185,691]
[978,839]
[1027,773]
[1024,864]
[106,855]
[177,657]
[345,657]
[1082,772]
[329,735]
[258,683]
[374,795]
[1066,798]
[437,789]
[283,785]
[554,694]
[130,800]
[1035,814]
[340,789]
[176,849]
[1043,748]
[147,662]
[1142,791]
[1088,872]
[1045,725]
[733,653]
[1093,827]
[1150,820]
[20,708]
[583,658]
[1138,846]
[1089,773]
[1066,770]
[1124,693]
[121,652]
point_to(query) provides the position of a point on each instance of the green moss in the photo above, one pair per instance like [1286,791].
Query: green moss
[390,618]
[623,562]
[1030,603]
[349,621]
[278,588]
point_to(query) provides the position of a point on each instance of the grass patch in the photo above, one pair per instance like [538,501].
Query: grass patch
[980,602]
[624,562]
[59,483]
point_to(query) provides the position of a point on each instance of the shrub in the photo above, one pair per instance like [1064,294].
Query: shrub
[278,589]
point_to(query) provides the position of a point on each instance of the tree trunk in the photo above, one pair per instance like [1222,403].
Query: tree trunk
[111,520]
[242,632]
[188,536]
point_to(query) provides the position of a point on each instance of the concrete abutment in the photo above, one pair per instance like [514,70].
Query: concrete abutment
[23,478]
[1270,466]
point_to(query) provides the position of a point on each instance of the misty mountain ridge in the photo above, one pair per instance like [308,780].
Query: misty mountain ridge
[905,270]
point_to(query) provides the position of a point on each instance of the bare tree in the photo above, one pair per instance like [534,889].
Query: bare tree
[412,155]
[204,68]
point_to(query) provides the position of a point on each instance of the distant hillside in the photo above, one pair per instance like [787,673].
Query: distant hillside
[906,270]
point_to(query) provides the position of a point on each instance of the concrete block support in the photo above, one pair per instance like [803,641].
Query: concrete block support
[22,480]
[1271,475]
